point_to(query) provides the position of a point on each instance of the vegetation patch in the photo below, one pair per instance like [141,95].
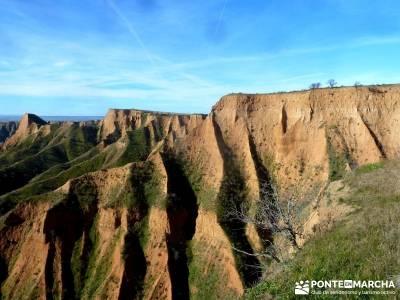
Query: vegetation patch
[99,268]
[182,210]
[135,266]
[363,246]
[76,266]
[37,188]
[138,147]
[369,167]
[207,279]
[27,161]
[29,147]
[85,192]
[145,183]
[337,162]
[141,189]
[234,193]
[193,171]
[80,140]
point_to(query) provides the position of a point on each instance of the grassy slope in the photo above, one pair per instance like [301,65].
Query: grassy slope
[28,147]
[362,246]
[21,163]
[55,172]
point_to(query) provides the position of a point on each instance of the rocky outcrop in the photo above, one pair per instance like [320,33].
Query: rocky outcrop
[148,202]
[294,129]
[118,122]
[28,125]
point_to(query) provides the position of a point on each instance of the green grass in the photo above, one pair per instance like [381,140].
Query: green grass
[206,195]
[207,279]
[98,270]
[143,231]
[22,163]
[18,174]
[80,140]
[56,170]
[93,160]
[29,147]
[137,148]
[76,266]
[337,162]
[143,192]
[142,188]
[9,200]
[43,163]
[363,246]
[85,192]
[232,195]
[369,168]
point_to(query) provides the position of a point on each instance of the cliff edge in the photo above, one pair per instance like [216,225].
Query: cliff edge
[148,194]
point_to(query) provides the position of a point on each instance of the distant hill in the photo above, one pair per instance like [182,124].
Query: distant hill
[15,118]
[7,129]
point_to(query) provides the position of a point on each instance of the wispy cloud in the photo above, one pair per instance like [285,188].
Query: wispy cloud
[221,15]
[151,57]
[131,29]
[162,55]
[376,40]
[61,63]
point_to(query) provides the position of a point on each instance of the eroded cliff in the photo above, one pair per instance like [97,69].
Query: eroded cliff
[147,195]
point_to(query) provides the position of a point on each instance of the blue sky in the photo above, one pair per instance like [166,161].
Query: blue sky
[81,57]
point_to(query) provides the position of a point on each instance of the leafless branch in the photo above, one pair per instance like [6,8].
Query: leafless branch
[276,214]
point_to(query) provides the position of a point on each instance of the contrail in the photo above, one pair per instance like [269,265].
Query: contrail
[152,59]
[220,18]
[131,30]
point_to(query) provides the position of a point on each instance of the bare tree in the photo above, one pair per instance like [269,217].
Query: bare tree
[277,214]
[357,84]
[332,83]
[315,85]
